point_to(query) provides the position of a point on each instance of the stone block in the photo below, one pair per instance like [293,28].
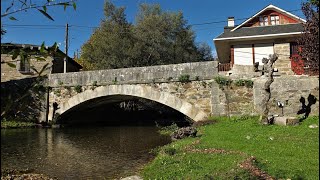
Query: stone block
[280,121]
[286,121]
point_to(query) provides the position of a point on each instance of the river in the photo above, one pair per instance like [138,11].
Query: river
[80,152]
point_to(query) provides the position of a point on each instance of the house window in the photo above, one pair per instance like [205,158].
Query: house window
[263,20]
[275,20]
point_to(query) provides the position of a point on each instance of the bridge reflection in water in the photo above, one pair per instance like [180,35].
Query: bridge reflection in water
[80,153]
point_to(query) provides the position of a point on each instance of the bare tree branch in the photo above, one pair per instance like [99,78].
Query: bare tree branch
[33,6]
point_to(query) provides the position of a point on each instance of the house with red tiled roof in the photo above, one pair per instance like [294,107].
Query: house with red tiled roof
[271,30]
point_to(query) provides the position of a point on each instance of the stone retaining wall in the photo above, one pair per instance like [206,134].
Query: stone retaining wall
[233,100]
[288,90]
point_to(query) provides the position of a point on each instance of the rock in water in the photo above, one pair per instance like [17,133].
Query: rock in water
[184,132]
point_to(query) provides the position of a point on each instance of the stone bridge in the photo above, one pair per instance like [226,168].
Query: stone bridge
[187,88]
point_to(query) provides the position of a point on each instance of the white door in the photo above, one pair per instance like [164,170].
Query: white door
[243,54]
[262,51]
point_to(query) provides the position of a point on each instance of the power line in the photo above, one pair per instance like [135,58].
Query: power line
[215,22]
[85,26]
[260,53]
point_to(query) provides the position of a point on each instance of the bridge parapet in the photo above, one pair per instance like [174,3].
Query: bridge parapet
[138,75]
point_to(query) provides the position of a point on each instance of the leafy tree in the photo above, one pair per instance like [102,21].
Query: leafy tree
[310,39]
[157,38]
[205,51]
[109,45]
[164,37]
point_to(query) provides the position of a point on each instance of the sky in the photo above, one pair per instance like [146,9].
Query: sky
[207,17]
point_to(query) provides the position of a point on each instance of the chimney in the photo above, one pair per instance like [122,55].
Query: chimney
[230,21]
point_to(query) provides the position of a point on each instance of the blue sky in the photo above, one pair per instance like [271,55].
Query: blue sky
[90,13]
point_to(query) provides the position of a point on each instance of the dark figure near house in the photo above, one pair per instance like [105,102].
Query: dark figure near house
[306,109]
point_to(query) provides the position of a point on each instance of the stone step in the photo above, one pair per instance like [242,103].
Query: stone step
[284,69]
[282,64]
[286,121]
[280,73]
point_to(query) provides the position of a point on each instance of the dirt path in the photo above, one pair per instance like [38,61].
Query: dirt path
[248,164]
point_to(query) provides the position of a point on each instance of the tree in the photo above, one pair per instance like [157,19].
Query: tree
[157,38]
[110,44]
[205,51]
[310,39]
[163,37]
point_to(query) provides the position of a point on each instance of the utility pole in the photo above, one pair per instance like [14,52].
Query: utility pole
[77,53]
[66,51]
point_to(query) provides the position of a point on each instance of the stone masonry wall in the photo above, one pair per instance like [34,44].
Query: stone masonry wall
[212,99]
[197,93]
[235,100]
[138,75]
[283,63]
[9,73]
[288,90]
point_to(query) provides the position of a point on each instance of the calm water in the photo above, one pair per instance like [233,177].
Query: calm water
[80,153]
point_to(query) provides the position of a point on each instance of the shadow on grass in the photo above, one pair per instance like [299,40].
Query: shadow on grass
[306,108]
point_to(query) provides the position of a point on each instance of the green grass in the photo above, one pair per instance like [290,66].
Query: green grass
[168,130]
[16,124]
[282,151]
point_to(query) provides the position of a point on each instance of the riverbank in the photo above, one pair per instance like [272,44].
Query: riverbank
[17,124]
[13,174]
[241,148]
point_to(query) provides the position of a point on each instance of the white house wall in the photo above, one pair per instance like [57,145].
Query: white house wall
[262,51]
[243,54]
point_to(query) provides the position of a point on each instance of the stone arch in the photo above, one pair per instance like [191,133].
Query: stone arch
[142,91]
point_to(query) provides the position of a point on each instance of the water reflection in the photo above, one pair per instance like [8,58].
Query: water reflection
[82,152]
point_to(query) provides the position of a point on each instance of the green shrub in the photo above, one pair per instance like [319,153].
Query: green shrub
[222,81]
[57,92]
[184,78]
[239,82]
[197,78]
[94,85]
[16,124]
[244,82]
[169,78]
[168,130]
[249,84]
[78,88]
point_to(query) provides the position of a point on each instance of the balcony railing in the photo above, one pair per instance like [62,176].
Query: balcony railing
[224,67]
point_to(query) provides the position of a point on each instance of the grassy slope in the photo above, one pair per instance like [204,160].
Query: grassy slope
[281,151]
